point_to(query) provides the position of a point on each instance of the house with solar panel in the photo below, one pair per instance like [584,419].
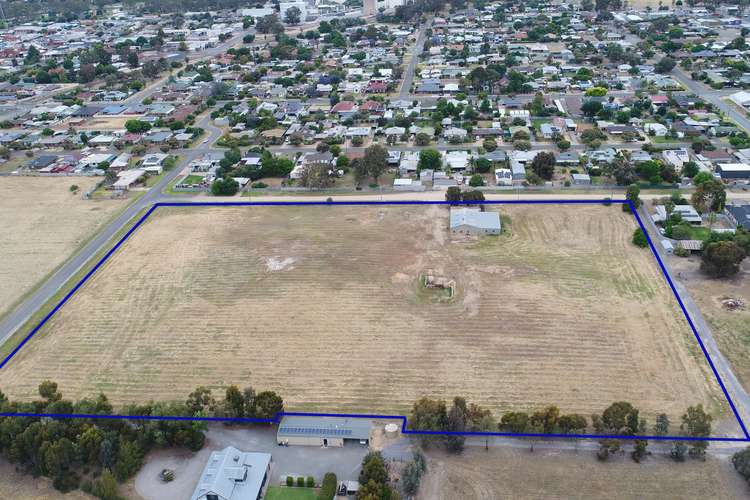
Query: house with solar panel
[323,431]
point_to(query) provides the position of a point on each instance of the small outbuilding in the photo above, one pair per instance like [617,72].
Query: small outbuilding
[473,221]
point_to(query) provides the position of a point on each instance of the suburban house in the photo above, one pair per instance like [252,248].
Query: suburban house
[127,178]
[467,220]
[231,474]
[739,214]
[733,170]
[323,431]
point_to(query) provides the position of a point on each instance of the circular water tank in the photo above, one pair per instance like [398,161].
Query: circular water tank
[391,430]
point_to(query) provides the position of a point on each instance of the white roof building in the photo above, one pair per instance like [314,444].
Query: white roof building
[231,474]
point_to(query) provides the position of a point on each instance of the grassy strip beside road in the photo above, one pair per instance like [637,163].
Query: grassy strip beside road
[17,337]
[135,197]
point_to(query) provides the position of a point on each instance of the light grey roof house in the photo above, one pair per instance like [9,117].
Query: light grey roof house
[231,474]
[473,221]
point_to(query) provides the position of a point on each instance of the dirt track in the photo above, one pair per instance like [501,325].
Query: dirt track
[322,304]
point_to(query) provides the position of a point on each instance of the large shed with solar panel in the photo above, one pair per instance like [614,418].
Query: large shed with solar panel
[323,431]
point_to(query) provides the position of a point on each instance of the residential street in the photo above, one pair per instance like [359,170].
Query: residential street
[16,318]
[714,97]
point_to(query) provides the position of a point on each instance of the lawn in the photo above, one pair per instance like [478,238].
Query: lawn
[285,493]
[193,179]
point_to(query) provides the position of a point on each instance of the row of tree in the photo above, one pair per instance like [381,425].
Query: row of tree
[619,419]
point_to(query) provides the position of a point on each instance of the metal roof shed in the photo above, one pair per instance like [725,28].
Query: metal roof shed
[323,431]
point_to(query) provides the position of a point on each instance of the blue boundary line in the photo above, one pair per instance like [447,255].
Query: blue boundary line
[402,418]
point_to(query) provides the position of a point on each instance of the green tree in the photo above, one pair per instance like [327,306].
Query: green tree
[32,56]
[200,400]
[292,15]
[129,460]
[48,390]
[476,180]
[709,196]
[697,423]
[572,423]
[429,159]
[105,487]
[456,423]
[632,194]
[422,139]
[515,421]
[328,486]
[375,160]
[665,65]
[546,419]
[543,165]
[225,187]
[722,259]
[639,238]
[137,126]
[234,402]
[489,144]
[453,193]
[741,462]
[373,469]
[268,404]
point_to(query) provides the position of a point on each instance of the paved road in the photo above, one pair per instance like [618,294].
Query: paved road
[408,76]
[535,146]
[736,391]
[16,318]
[713,97]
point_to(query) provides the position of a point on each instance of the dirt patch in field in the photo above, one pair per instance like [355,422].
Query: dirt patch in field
[517,473]
[43,223]
[564,309]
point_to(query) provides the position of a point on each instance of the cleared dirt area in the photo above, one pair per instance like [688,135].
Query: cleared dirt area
[725,304]
[325,306]
[516,473]
[43,223]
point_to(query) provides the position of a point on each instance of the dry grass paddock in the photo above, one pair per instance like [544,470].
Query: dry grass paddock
[730,325]
[43,223]
[517,473]
[324,305]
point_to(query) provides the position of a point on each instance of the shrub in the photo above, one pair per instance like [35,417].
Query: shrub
[289,481]
[310,482]
[681,232]
[259,185]
[301,482]
[607,201]
[328,487]
[639,238]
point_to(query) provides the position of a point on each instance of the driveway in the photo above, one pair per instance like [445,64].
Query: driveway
[295,460]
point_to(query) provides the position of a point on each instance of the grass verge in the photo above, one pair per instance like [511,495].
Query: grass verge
[18,336]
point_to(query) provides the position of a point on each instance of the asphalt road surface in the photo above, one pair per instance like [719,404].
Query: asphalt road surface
[16,318]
